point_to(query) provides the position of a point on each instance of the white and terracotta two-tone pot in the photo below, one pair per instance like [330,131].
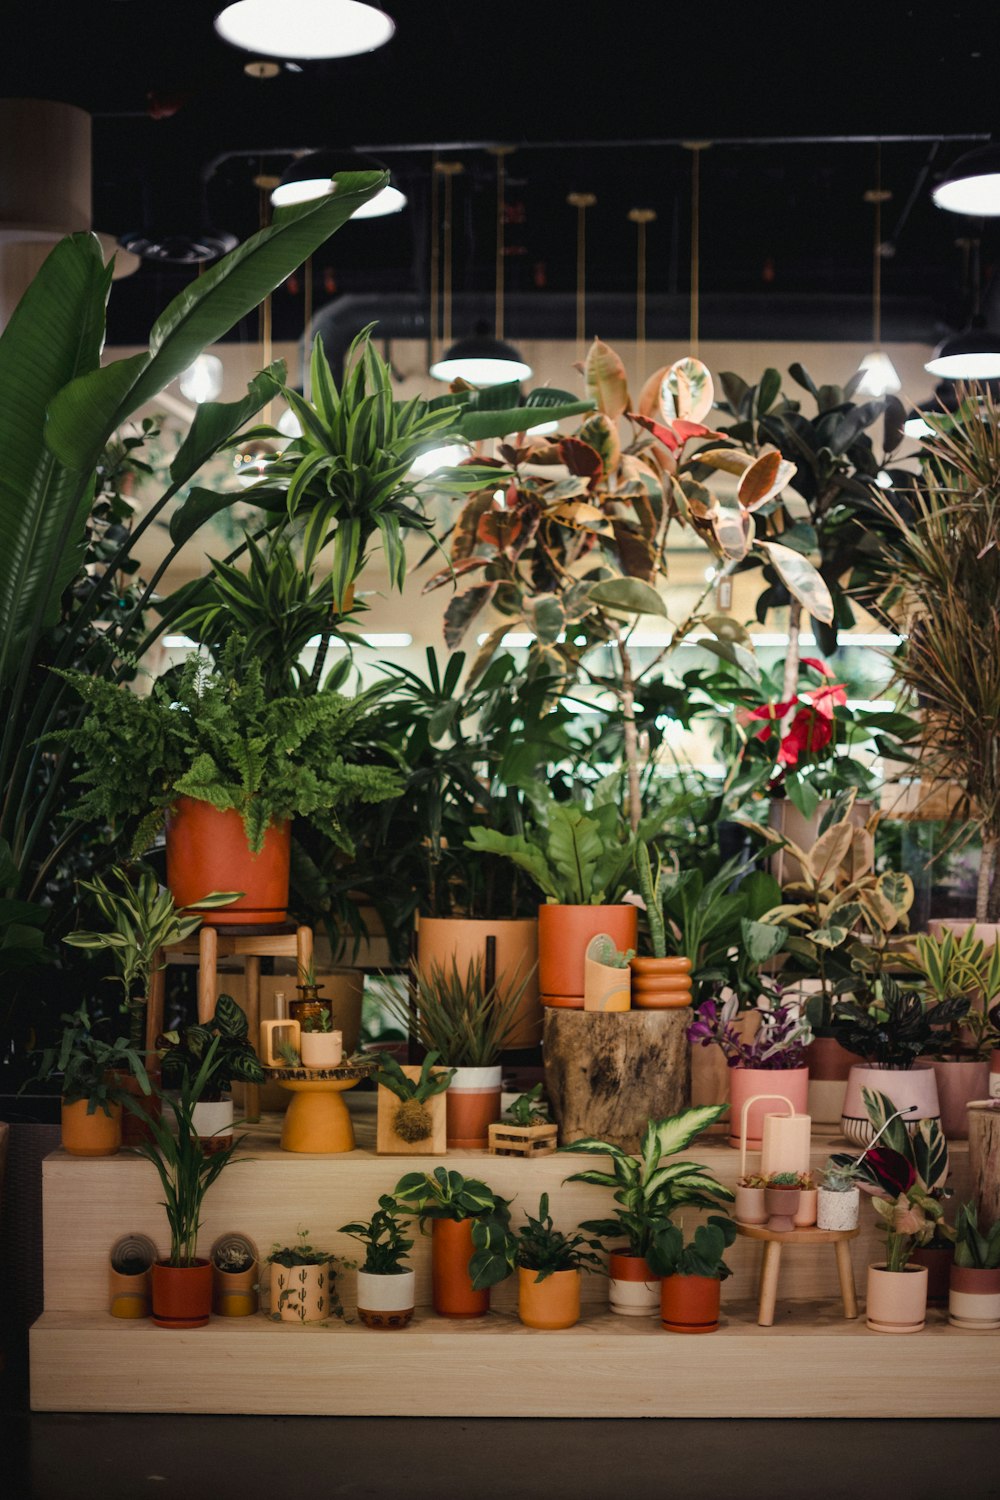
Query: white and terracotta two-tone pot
[386,1301]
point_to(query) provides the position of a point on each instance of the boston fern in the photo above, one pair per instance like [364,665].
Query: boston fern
[218,737]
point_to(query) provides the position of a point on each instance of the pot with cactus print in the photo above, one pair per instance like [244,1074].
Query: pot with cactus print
[303,1283]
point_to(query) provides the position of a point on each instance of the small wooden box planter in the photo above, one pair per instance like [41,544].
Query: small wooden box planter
[522,1140]
[389,1143]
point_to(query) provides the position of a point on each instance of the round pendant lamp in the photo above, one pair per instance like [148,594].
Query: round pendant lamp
[878,373]
[972,186]
[973,354]
[307,29]
[309,175]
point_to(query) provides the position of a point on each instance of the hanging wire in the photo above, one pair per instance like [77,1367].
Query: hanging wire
[501,153]
[877,196]
[640,217]
[265,185]
[694,332]
[449,170]
[581,202]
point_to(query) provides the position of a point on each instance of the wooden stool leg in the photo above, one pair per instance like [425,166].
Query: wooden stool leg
[769,1283]
[845,1270]
[154,1001]
[303,950]
[208,953]
[251,1091]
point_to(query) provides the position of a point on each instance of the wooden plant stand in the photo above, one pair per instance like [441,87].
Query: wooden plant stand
[775,1240]
[522,1140]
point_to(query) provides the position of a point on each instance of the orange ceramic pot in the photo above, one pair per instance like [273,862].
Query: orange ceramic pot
[563,935]
[690,1304]
[442,939]
[182,1295]
[896,1300]
[90,1135]
[472,1105]
[451,1251]
[135,1130]
[661,983]
[207,851]
[552,1303]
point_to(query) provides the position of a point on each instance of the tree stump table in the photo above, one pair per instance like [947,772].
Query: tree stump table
[984,1159]
[774,1241]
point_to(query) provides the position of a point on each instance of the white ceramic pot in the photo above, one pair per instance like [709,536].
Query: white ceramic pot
[386,1301]
[838,1210]
[321,1049]
[633,1288]
[904,1086]
[213,1123]
[974,1297]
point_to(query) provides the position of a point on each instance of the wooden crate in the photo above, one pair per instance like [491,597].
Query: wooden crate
[388,1143]
[522,1140]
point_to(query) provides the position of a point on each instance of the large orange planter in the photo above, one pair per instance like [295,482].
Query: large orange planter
[563,935]
[690,1304]
[182,1295]
[90,1135]
[552,1303]
[207,851]
[451,1251]
[442,939]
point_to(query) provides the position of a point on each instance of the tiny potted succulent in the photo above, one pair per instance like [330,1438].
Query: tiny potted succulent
[303,1283]
[386,1287]
[525,1129]
[182,1052]
[319,1045]
[781,1200]
[838,1199]
[772,1063]
[607,978]
[235,1272]
[974,1288]
[90,1071]
[749,1206]
[648,1190]
[411,1106]
[549,1269]
[692,1272]
[472,1248]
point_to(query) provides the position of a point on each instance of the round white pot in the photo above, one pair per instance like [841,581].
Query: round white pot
[837,1210]
[386,1301]
[321,1049]
[213,1121]
[476,1080]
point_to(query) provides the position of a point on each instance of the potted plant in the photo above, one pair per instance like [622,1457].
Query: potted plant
[130,1276]
[890,1035]
[235,1274]
[303,1283]
[607,978]
[525,1129]
[838,1201]
[466,1022]
[692,1273]
[386,1287]
[782,1191]
[748,1207]
[896,1300]
[183,1051]
[410,1105]
[549,1268]
[472,1248]
[771,1065]
[647,1189]
[182,1284]
[90,1070]
[974,1288]
[320,1046]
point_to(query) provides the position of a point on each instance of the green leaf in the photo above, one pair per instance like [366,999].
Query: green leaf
[801,579]
[199,506]
[215,422]
[629,596]
[678,1131]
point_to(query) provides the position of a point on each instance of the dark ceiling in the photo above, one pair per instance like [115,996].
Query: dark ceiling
[597,98]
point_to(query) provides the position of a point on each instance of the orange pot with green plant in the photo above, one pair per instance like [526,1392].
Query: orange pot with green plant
[693,1272]
[87,1066]
[472,1248]
[550,1265]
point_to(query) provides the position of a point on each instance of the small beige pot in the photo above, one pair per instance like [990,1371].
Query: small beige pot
[896,1301]
[805,1215]
[386,1301]
[301,1294]
[749,1206]
[974,1297]
[321,1049]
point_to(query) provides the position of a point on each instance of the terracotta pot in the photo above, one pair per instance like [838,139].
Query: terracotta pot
[904,1086]
[98,1134]
[749,1206]
[134,1127]
[784,817]
[182,1295]
[563,935]
[805,1215]
[213,1123]
[938,1260]
[552,1303]
[786,1083]
[829,1065]
[386,1301]
[974,1297]
[782,1204]
[633,1288]
[994,1082]
[440,939]
[207,851]
[690,1304]
[321,1049]
[896,1301]
[605,988]
[451,1251]
[301,1294]
[838,1210]
[661,983]
[958,1082]
[472,1101]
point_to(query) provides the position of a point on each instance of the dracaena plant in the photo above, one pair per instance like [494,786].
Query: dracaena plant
[952,965]
[579,557]
[458,1016]
[648,1189]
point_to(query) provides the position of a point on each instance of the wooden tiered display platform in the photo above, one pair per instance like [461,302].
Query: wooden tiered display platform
[811,1363]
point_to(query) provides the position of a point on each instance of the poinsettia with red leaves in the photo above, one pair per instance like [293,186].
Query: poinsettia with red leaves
[810,727]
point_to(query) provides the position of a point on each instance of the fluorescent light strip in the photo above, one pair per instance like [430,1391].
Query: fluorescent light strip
[517,639]
[392,640]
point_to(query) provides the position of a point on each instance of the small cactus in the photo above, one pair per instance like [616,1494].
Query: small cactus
[784,1179]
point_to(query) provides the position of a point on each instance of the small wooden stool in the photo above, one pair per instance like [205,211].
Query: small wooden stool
[771,1263]
[212,943]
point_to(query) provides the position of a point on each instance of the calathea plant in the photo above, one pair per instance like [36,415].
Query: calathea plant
[183,1050]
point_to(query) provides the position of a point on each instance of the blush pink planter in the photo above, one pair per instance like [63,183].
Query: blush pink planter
[958,1082]
[805,1217]
[904,1086]
[749,1206]
[897,1300]
[784,1083]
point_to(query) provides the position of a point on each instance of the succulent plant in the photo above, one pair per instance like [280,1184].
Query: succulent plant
[784,1180]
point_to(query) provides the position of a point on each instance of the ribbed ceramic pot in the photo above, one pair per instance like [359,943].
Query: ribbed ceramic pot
[974,1298]
[633,1288]
[661,983]
[896,1301]
[472,1105]
[551,1303]
[838,1210]
[386,1301]
[904,1086]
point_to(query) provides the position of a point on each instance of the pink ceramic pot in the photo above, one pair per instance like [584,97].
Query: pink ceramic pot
[957,1083]
[896,1300]
[904,1086]
[782,1083]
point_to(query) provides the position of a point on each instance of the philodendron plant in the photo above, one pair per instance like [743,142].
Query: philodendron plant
[448,1195]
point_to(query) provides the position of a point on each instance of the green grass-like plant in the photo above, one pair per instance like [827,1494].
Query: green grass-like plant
[458,1016]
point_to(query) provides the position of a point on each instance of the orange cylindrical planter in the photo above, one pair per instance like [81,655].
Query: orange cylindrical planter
[472,1105]
[690,1304]
[563,935]
[182,1295]
[463,939]
[207,851]
[661,983]
[90,1135]
[451,1251]
[552,1303]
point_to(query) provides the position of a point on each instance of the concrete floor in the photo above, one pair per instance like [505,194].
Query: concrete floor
[65,1457]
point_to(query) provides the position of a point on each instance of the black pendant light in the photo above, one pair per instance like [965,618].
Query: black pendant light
[972,186]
